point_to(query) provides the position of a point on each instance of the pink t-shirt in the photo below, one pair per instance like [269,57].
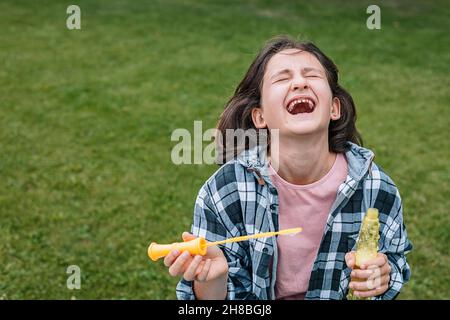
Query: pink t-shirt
[305,206]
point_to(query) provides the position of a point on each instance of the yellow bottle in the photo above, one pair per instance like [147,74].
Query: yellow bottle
[367,245]
[195,246]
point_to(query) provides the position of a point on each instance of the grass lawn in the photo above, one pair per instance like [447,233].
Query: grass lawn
[86,116]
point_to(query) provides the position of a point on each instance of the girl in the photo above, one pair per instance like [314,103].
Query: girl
[316,176]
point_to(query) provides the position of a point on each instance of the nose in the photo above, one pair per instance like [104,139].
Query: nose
[299,83]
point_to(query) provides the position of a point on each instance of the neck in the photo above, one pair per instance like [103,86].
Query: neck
[302,160]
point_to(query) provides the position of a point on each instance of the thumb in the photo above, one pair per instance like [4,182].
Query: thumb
[350,259]
[187,236]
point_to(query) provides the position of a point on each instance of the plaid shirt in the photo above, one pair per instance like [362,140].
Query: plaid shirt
[239,199]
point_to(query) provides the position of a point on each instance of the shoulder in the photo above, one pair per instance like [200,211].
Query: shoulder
[381,180]
[230,177]
[385,196]
[227,174]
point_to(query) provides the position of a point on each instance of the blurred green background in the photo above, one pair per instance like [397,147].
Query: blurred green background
[86,116]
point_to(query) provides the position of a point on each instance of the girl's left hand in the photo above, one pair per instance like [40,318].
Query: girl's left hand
[372,278]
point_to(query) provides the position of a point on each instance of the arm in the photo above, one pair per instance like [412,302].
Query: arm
[384,276]
[236,283]
[396,246]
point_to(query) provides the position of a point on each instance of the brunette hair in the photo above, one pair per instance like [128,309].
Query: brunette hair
[247,96]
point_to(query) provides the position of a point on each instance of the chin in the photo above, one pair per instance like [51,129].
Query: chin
[304,127]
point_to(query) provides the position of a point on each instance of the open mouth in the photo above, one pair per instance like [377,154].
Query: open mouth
[301,105]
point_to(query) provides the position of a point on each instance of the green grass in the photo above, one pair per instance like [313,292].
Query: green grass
[86,118]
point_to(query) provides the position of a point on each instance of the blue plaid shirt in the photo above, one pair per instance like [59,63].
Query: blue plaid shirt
[239,199]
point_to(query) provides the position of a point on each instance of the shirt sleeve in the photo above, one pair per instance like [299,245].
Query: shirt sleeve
[396,246]
[207,224]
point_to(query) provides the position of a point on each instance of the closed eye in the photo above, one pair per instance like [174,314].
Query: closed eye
[313,76]
[280,80]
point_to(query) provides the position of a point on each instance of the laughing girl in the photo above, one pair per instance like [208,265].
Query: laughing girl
[316,176]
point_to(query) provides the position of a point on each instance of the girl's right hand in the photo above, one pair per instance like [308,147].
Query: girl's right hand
[211,266]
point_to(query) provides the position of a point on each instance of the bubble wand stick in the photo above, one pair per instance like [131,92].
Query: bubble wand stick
[199,245]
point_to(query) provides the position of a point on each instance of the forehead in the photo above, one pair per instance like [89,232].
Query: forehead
[294,59]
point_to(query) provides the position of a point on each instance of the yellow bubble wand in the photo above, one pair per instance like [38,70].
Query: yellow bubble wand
[200,245]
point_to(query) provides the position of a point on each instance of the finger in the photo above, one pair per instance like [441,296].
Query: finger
[372,283]
[187,236]
[189,274]
[386,269]
[371,293]
[385,280]
[366,285]
[377,282]
[379,261]
[200,267]
[361,274]
[203,275]
[350,259]
[177,267]
[359,286]
[170,258]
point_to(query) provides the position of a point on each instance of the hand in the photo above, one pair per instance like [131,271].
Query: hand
[211,266]
[372,278]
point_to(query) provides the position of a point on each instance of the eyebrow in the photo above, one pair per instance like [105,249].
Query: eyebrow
[304,70]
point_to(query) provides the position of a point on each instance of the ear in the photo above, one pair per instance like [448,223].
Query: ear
[258,118]
[335,109]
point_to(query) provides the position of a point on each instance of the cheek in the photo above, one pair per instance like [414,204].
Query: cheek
[272,99]
[273,93]
[324,94]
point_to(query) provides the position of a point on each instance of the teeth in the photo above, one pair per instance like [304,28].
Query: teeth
[302,100]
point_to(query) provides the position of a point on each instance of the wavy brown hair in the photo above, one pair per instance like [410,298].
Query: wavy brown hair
[238,110]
